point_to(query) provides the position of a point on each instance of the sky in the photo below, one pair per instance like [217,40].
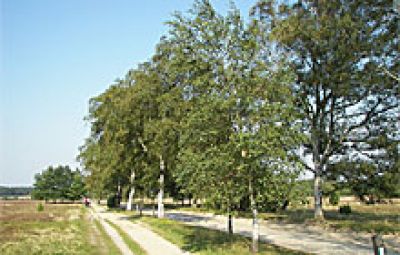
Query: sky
[55,56]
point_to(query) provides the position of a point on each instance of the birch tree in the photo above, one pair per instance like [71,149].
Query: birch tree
[241,92]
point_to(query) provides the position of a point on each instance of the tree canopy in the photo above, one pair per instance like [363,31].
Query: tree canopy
[231,109]
[59,183]
[341,52]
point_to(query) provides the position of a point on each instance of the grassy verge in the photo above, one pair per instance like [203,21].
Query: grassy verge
[133,246]
[57,229]
[382,219]
[205,241]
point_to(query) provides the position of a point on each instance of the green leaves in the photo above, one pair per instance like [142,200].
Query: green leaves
[212,90]
[241,101]
[59,183]
[345,100]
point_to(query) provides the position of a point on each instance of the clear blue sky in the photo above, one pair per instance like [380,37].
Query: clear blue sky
[55,55]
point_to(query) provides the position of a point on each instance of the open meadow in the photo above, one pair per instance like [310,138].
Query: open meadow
[28,228]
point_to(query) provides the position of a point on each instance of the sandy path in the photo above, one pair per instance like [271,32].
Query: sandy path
[117,239]
[296,237]
[151,242]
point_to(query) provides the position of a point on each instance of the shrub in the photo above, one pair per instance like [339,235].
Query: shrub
[112,201]
[40,207]
[334,198]
[346,209]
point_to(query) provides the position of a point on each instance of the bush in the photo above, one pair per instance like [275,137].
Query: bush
[346,209]
[40,207]
[112,201]
[334,198]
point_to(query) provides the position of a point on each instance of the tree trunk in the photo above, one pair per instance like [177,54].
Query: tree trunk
[131,193]
[318,213]
[190,200]
[119,196]
[255,225]
[153,207]
[130,198]
[141,207]
[230,221]
[161,192]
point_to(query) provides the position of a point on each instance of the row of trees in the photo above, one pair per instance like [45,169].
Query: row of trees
[232,109]
[59,183]
[14,191]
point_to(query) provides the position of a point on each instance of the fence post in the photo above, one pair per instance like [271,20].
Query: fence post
[378,245]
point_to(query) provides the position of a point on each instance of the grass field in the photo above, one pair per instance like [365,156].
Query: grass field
[203,241]
[379,218]
[58,229]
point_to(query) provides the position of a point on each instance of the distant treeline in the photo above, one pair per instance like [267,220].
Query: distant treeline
[15,191]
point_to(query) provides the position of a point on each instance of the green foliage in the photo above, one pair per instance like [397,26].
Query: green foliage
[345,209]
[112,201]
[341,53]
[368,181]
[334,198]
[235,108]
[15,191]
[77,189]
[58,183]
[40,207]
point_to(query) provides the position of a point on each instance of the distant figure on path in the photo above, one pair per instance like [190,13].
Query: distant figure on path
[86,201]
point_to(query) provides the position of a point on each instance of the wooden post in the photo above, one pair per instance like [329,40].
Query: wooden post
[230,221]
[378,245]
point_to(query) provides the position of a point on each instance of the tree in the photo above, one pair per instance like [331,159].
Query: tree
[77,189]
[107,154]
[373,180]
[239,132]
[341,52]
[58,183]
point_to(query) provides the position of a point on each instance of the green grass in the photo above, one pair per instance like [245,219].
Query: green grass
[133,246]
[205,241]
[58,229]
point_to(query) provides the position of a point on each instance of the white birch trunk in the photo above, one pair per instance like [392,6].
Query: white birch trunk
[130,198]
[131,193]
[255,231]
[160,209]
[318,213]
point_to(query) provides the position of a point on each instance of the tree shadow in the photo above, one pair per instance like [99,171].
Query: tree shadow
[198,239]
[187,217]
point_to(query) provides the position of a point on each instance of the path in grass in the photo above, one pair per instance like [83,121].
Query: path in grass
[307,239]
[117,239]
[151,242]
